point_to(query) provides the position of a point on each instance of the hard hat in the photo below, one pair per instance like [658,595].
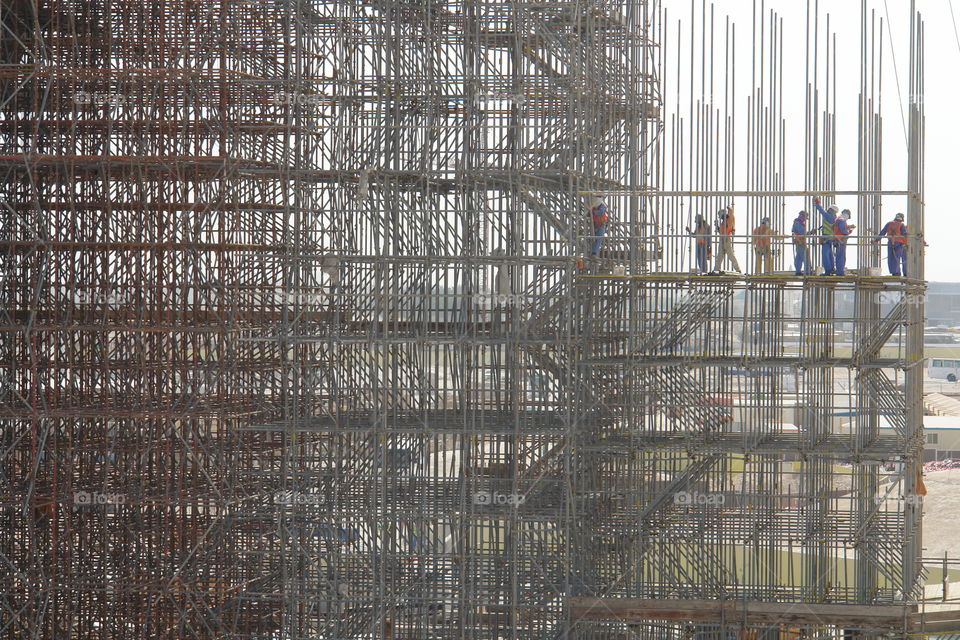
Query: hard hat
[833,209]
[899,217]
[846,214]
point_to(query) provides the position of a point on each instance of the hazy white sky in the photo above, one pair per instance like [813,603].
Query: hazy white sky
[940,100]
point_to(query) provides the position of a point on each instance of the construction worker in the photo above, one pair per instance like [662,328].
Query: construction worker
[896,232]
[726,230]
[701,232]
[600,217]
[827,236]
[841,229]
[801,251]
[763,246]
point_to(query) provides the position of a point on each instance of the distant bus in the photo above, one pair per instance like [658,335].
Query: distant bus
[942,369]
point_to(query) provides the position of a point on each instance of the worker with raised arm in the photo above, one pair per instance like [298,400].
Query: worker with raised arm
[701,232]
[801,247]
[763,246]
[827,236]
[896,232]
[725,231]
[599,215]
[841,229]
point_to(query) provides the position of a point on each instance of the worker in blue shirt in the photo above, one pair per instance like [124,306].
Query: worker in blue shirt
[841,229]
[801,251]
[896,232]
[599,215]
[827,236]
[702,233]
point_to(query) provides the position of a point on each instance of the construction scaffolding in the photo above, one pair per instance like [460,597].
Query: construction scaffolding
[303,334]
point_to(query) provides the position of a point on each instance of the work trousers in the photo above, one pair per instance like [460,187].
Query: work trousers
[897,258]
[702,257]
[598,232]
[764,262]
[725,250]
[840,256]
[826,254]
[801,259]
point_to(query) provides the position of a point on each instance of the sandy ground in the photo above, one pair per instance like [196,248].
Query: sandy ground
[941,513]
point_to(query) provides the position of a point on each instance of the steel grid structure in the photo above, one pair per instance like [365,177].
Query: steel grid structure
[301,337]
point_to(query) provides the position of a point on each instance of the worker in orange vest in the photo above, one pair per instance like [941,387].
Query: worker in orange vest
[726,230]
[896,232]
[763,246]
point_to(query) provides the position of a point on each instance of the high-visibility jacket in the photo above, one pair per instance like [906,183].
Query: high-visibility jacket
[841,228]
[702,232]
[726,226]
[829,220]
[895,231]
[599,215]
[761,237]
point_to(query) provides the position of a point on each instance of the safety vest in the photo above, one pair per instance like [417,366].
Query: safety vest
[726,227]
[761,237]
[599,218]
[896,231]
[702,232]
[836,228]
[827,228]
